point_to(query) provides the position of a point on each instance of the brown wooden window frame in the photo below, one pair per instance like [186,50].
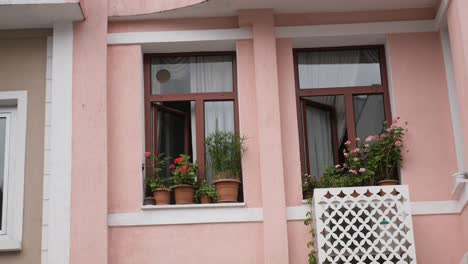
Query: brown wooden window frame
[347,92]
[151,100]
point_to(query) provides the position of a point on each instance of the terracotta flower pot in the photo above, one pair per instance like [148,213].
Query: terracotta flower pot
[184,194]
[149,201]
[162,196]
[205,199]
[388,182]
[308,195]
[227,190]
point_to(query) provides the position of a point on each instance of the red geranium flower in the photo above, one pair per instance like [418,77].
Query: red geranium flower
[147,154]
[179,160]
[172,166]
[183,169]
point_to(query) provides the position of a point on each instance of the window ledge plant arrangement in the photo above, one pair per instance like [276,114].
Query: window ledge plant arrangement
[206,193]
[184,174]
[159,186]
[225,151]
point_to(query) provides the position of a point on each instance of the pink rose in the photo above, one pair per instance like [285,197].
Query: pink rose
[347,143]
[337,166]
[358,139]
[369,138]
[147,154]
[353,172]
[362,170]
[398,143]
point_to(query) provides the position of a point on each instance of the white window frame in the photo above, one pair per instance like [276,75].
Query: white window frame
[13,105]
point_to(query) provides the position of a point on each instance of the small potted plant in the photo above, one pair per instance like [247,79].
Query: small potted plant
[225,151]
[206,193]
[385,153]
[184,174]
[309,183]
[155,182]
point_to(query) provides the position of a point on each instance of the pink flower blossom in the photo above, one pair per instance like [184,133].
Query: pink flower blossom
[353,172]
[347,143]
[398,143]
[362,170]
[389,129]
[358,139]
[366,145]
[346,154]
[382,136]
[356,150]
[337,166]
[147,154]
[356,159]
[369,138]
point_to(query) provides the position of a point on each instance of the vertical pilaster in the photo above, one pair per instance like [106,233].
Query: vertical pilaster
[89,241]
[269,131]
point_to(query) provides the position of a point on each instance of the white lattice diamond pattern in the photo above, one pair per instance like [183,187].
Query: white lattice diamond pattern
[370,225]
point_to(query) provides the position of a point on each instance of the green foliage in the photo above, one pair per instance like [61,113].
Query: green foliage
[309,183]
[225,151]
[155,183]
[385,154]
[206,189]
[184,171]
[309,221]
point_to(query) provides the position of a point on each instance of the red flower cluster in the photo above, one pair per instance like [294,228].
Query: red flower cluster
[179,160]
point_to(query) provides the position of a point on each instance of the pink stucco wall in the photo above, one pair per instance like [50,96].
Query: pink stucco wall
[420,96]
[125,120]
[190,244]
[89,140]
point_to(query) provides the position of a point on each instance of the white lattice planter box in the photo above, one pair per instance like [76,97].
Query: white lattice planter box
[364,225]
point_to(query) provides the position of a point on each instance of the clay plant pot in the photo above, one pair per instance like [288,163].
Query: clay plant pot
[308,195]
[388,182]
[184,194]
[162,196]
[205,199]
[149,201]
[227,189]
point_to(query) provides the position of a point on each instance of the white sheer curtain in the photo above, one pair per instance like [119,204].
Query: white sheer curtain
[319,135]
[341,68]
[210,74]
[337,102]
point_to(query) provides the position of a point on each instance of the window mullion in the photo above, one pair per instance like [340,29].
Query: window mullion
[349,106]
[200,137]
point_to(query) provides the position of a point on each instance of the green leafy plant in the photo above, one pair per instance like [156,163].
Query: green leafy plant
[309,183]
[155,164]
[386,151]
[206,189]
[309,221]
[183,171]
[225,151]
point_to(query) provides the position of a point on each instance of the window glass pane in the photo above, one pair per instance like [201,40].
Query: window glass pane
[340,68]
[324,131]
[369,114]
[176,130]
[219,116]
[194,74]
[2,164]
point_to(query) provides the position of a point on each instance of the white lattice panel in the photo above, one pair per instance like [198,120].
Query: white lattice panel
[370,225]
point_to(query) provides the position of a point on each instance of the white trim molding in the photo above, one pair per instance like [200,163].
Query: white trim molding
[464,259]
[179,36]
[14,108]
[61,146]
[441,16]
[193,214]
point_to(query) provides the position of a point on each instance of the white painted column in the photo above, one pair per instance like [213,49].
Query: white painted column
[61,145]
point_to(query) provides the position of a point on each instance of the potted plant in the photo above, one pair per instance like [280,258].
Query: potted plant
[157,184]
[385,153]
[184,174]
[309,183]
[225,151]
[206,193]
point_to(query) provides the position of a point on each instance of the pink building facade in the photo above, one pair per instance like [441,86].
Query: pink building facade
[103,74]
